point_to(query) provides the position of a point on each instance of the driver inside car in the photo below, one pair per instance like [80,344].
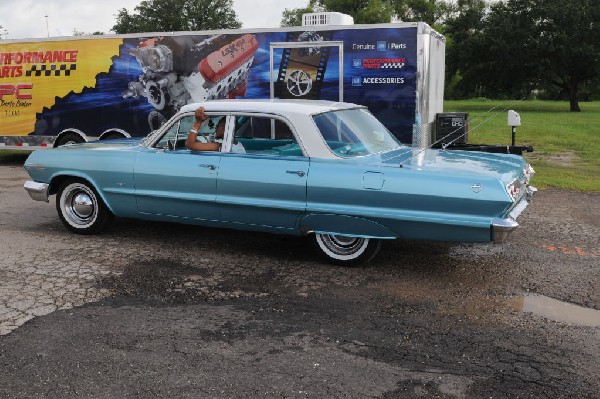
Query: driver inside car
[216,143]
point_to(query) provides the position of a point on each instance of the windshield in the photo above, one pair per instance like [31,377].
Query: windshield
[354,132]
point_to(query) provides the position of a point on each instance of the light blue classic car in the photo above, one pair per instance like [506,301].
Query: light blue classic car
[328,170]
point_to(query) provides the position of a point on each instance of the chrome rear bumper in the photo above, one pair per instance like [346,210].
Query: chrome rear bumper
[501,228]
[37,191]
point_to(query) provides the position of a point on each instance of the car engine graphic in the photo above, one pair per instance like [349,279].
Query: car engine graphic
[183,69]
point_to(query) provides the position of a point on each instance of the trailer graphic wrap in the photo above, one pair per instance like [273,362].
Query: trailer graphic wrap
[133,84]
[183,69]
[302,70]
[33,75]
[380,71]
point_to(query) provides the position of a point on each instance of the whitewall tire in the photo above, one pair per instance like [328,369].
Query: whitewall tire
[344,250]
[80,208]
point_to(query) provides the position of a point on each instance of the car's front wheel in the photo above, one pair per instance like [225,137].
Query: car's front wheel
[347,251]
[80,208]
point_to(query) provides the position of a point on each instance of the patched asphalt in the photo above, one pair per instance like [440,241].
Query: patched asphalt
[163,310]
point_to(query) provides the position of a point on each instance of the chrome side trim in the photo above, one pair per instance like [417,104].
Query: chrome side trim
[37,191]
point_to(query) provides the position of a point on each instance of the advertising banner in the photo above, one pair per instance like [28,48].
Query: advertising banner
[136,83]
[33,75]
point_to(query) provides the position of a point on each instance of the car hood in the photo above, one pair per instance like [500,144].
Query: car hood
[507,167]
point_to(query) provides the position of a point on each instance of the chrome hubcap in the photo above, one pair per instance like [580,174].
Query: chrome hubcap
[342,245]
[79,205]
[83,205]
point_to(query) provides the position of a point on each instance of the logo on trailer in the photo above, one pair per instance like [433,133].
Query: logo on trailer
[19,91]
[370,80]
[383,63]
[299,83]
[51,70]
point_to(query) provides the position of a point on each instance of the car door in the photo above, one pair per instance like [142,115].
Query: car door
[266,185]
[173,181]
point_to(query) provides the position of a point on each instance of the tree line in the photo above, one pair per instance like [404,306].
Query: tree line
[495,48]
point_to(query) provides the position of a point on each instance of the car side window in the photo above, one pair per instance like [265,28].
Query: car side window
[266,136]
[170,135]
[176,135]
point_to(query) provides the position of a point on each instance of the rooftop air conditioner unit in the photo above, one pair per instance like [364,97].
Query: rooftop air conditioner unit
[326,18]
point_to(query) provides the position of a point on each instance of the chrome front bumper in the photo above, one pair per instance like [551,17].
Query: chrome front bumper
[37,191]
[501,228]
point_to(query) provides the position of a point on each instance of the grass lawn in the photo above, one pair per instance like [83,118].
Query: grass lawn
[566,144]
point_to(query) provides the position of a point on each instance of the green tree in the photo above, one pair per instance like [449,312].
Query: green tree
[492,50]
[363,11]
[378,11]
[511,47]
[433,12]
[293,16]
[463,30]
[81,33]
[177,15]
[568,43]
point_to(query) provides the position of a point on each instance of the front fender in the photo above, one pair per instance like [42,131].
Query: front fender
[124,205]
[57,179]
[344,225]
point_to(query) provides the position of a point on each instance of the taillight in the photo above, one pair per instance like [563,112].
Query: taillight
[514,189]
[528,173]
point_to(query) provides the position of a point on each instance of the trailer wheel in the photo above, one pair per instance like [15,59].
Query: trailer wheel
[113,135]
[80,208]
[69,138]
[347,251]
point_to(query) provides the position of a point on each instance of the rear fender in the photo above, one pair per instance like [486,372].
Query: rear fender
[344,225]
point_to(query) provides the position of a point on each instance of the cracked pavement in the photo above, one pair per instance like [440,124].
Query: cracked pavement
[163,310]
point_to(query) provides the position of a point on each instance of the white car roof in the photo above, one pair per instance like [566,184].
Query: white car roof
[277,106]
[297,112]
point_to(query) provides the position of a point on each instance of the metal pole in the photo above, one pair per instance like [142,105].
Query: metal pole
[47,29]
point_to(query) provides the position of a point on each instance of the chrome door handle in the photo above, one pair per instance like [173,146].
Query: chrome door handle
[296,172]
[211,167]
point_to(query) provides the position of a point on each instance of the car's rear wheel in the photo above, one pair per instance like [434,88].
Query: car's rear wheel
[347,251]
[80,208]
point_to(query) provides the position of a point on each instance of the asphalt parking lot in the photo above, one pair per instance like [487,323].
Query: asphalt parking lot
[162,310]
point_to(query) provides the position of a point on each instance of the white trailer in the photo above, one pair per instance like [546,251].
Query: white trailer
[73,89]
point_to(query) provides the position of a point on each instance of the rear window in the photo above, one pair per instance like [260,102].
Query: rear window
[354,132]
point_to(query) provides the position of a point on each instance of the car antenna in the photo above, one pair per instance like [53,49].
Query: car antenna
[445,145]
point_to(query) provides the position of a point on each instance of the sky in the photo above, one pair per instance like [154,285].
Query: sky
[27,18]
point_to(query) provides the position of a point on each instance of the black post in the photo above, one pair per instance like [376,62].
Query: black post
[514,132]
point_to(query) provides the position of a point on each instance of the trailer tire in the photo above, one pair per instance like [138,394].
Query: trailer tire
[80,208]
[69,138]
[113,135]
